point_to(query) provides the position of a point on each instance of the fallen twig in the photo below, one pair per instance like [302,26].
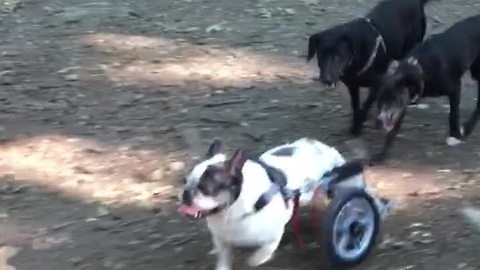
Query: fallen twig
[256,138]
[219,121]
[225,102]
[62,225]
[134,222]
[179,242]
[174,241]
[269,107]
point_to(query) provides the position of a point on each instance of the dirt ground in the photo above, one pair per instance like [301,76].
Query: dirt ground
[97,100]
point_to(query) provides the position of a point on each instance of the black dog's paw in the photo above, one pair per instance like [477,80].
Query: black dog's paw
[377,159]
[355,131]
[378,124]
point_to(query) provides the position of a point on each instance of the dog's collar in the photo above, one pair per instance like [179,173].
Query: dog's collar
[379,41]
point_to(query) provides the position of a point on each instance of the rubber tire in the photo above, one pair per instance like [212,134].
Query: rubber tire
[339,200]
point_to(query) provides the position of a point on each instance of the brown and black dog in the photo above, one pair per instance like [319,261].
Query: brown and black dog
[432,69]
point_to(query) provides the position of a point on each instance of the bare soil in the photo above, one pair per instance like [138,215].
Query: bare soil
[97,98]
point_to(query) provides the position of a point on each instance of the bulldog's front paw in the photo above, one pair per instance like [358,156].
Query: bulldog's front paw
[223,264]
[377,158]
[355,131]
[223,268]
[263,254]
[258,258]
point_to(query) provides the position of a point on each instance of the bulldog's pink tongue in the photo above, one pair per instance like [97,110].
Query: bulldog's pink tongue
[188,210]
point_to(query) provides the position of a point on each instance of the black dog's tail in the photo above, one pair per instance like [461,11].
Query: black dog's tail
[313,43]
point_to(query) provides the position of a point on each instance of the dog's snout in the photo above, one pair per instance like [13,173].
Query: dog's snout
[326,79]
[390,117]
[381,117]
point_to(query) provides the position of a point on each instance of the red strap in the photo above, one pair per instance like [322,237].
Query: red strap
[313,216]
[296,221]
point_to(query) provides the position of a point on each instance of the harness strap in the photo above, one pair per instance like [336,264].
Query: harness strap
[266,197]
[279,183]
[296,221]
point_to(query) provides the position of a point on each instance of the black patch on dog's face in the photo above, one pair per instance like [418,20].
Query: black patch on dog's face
[284,152]
[214,180]
[223,177]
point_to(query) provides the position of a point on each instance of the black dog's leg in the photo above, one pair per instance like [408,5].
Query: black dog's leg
[454,117]
[357,114]
[472,121]
[389,139]
[367,105]
[470,124]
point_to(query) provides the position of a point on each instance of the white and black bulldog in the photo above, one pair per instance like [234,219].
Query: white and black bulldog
[246,202]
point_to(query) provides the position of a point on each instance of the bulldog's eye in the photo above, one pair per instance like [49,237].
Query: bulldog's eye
[184,180]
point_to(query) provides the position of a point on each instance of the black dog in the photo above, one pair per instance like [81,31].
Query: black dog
[432,69]
[358,52]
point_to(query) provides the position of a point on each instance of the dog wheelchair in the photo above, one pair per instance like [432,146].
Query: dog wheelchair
[352,217]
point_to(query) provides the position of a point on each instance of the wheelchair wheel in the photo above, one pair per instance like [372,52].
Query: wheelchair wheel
[351,225]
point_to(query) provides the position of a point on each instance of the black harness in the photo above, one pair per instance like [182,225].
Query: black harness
[278,181]
[279,185]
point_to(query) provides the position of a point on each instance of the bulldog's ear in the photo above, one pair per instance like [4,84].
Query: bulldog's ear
[392,68]
[214,148]
[235,164]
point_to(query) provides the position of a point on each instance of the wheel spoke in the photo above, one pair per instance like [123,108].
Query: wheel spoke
[341,229]
[357,241]
[365,220]
[344,242]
